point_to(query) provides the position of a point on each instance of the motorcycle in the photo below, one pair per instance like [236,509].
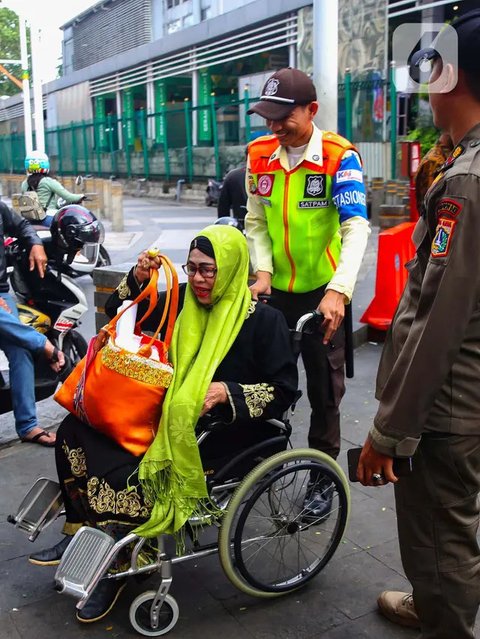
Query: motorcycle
[213,192]
[91,256]
[53,305]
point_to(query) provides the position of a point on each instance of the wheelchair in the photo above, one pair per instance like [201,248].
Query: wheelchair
[267,543]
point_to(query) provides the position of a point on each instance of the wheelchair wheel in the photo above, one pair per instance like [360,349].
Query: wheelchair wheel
[267,546]
[140,614]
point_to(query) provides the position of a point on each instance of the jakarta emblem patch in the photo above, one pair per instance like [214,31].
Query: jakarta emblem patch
[443,237]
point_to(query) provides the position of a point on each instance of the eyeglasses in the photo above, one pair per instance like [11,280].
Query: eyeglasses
[205,271]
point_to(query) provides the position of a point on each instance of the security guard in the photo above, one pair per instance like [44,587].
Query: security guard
[307,230]
[428,379]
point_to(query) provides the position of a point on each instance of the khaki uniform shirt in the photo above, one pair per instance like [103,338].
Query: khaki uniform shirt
[429,373]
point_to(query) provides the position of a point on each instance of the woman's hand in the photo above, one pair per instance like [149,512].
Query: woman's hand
[145,262]
[216,394]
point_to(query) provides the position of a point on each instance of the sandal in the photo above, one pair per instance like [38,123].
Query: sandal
[36,439]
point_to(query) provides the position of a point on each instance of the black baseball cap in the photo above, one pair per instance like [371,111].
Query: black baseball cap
[283,91]
[468,33]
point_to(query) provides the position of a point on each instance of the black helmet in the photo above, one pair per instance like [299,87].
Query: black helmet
[230,221]
[74,226]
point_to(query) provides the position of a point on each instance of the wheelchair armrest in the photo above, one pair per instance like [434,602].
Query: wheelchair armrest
[209,423]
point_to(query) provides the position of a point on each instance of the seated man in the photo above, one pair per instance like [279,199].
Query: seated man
[19,341]
[230,354]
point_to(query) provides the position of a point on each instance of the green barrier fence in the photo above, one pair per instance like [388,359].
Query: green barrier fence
[161,145]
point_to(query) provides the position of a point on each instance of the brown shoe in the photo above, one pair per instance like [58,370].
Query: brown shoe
[399,608]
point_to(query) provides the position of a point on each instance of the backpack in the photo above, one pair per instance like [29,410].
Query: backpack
[28,206]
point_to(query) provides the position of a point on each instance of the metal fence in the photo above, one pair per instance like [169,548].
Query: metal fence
[182,140]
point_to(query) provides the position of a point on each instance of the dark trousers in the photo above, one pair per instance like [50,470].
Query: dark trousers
[324,369]
[438,514]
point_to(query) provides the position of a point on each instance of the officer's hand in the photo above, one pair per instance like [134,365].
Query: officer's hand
[332,307]
[38,258]
[263,285]
[373,463]
[146,260]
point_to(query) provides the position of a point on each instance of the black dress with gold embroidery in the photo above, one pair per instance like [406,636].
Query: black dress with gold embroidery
[98,477]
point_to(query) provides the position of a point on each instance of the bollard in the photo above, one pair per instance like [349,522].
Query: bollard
[106,279]
[377,198]
[392,215]
[178,189]
[117,207]
[107,198]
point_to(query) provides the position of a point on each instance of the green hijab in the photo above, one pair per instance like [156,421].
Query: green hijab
[171,471]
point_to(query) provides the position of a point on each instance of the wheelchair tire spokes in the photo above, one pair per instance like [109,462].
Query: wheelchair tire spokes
[267,547]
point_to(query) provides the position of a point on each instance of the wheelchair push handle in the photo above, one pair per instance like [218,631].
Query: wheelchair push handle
[300,328]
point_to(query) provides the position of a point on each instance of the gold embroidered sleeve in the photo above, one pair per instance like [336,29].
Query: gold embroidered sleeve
[257,396]
[123,288]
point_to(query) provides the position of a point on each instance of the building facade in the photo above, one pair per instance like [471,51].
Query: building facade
[168,82]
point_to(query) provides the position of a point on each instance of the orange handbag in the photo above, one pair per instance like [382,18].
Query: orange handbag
[118,392]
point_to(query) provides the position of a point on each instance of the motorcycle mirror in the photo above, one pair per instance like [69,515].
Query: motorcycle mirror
[79,180]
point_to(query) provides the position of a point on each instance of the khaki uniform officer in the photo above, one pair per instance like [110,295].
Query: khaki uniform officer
[307,229]
[429,376]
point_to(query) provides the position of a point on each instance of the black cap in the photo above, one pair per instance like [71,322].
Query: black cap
[468,33]
[283,91]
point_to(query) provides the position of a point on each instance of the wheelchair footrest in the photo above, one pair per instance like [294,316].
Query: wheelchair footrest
[40,506]
[82,561]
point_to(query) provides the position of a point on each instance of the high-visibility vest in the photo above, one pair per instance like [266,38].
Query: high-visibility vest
[303,222]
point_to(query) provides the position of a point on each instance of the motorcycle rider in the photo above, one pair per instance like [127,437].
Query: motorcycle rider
[48,189]
[20,342]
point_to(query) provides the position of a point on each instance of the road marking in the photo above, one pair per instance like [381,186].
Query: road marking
[115,241]
[184,220]
[175,239]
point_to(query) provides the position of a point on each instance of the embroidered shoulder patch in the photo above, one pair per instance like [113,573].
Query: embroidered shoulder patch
[265,184]
[447,206]
[252,187]
[443,237]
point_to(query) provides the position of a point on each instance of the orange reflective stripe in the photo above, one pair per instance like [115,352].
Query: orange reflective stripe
[331,258]
[287,238]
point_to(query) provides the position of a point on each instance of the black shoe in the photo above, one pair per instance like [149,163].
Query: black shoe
[318,499]
[51,556]
[102,600]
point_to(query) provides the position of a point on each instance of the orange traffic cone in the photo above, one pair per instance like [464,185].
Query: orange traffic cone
[395,248]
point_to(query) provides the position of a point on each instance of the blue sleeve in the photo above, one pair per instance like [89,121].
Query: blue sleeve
[348,188]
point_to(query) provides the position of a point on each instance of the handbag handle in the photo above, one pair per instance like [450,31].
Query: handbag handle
[150,291]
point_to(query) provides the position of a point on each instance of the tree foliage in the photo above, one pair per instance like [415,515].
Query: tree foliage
[9,50]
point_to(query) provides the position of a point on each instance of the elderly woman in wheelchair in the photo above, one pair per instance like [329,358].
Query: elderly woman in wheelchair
[219,457]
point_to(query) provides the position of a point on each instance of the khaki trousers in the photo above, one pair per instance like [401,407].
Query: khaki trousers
[438,515]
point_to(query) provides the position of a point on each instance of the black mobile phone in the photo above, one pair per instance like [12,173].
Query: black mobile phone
[401,465]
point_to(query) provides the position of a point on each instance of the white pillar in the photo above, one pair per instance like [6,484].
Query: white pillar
[35,38]
[27,107]
[194,104]
[150,97]
[325,62]
[120,131]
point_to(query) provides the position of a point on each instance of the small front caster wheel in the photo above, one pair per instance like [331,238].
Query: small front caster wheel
[142,619]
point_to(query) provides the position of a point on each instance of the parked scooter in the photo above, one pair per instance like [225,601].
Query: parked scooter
[55,304]
[213,192]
